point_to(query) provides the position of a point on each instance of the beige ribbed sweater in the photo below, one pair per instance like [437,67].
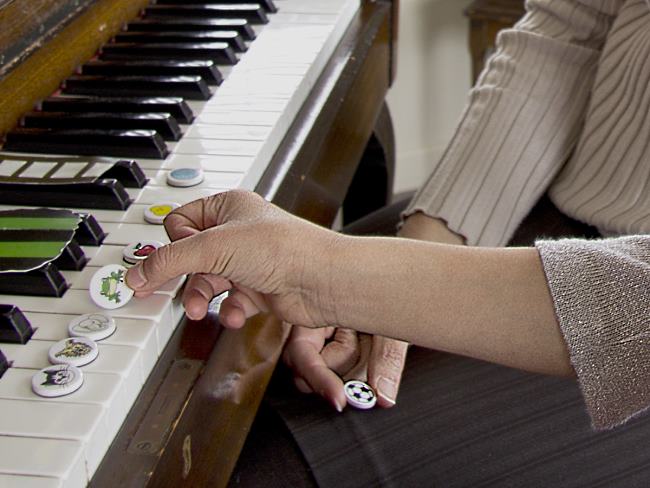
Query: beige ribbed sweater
[564,106]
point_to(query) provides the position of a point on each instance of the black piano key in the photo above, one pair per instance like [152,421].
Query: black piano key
[108,194]
[14,327]
[126,172]
[176,107]
[4,364]
[232,37]
[162,24]
[89,232]
[189,87]
[164,124]
[206,69]
[46,281]
[129,144]
[72,258]
[267,5]
[252,12]
[219,52]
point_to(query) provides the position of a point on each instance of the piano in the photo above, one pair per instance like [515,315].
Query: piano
[296,102]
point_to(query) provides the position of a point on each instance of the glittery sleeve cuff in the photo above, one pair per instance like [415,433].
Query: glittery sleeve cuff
[601,292]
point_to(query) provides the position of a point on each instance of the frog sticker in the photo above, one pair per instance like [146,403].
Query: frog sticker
[110,284]
[108,287]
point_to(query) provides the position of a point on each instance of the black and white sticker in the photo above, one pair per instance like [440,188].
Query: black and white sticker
[359,394]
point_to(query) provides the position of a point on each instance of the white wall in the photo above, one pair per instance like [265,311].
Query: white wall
[433,77]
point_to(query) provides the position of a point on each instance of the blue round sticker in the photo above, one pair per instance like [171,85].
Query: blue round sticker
[185,177]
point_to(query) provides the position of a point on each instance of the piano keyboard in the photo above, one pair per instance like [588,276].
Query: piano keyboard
[60,442]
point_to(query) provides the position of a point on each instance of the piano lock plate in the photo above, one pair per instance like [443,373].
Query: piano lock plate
[165,407]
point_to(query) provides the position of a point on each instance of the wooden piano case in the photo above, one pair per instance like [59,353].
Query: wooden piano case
[191,418]
[486,19]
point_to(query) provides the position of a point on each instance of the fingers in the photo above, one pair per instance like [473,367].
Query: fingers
[342,353]
[303,355]
[199,291]
[238,306]
[385,366]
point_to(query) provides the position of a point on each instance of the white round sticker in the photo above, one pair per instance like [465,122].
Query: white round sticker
[76,351]
[359,394]
[108,289]
[95,326]
[57,380]
[156,213]
[184,177]
[139,251]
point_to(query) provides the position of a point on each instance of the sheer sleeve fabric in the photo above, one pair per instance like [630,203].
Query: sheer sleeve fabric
[601,293]
[522,120]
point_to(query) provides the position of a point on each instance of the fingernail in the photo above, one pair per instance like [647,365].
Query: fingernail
[338,406]
[387,389]
[134,277]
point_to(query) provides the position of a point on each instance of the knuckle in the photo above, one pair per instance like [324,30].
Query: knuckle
[393,354]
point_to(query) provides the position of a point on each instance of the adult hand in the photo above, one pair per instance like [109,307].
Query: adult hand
[267,258]
[321,359]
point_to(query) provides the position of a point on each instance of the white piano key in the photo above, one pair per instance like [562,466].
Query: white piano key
[154,194]
[153,307]
[120,360]
[38,169]
[216,115]
[229,131]
[48,458]
[159,308]
[106,390]
[83,423]
[217,147]
[237,164]
[23,481]
[80,280]
[135,333]
[9,166]
[269,86]
[69,170]
[211,179]
[121,234]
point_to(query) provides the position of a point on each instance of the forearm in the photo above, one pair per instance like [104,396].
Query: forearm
[486,303]
[522,121]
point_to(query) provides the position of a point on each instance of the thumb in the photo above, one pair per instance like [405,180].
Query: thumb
[385,367]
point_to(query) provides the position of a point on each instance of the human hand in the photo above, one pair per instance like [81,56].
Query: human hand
[267,258]
[322,359]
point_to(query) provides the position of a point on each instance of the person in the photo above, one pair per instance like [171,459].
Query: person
[561,108]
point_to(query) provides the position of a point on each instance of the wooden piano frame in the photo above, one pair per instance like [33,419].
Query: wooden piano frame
[192,416]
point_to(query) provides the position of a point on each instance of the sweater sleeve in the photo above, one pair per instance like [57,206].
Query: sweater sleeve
[601,293]
[522,120]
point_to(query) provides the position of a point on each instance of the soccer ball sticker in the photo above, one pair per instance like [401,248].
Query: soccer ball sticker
[360,394]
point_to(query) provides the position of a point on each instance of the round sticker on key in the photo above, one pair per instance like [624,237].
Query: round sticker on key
[76,351]
[359,394]
[57,380]
[108,289]
[156,213]
[139,251]
[184,177]
[95,326]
